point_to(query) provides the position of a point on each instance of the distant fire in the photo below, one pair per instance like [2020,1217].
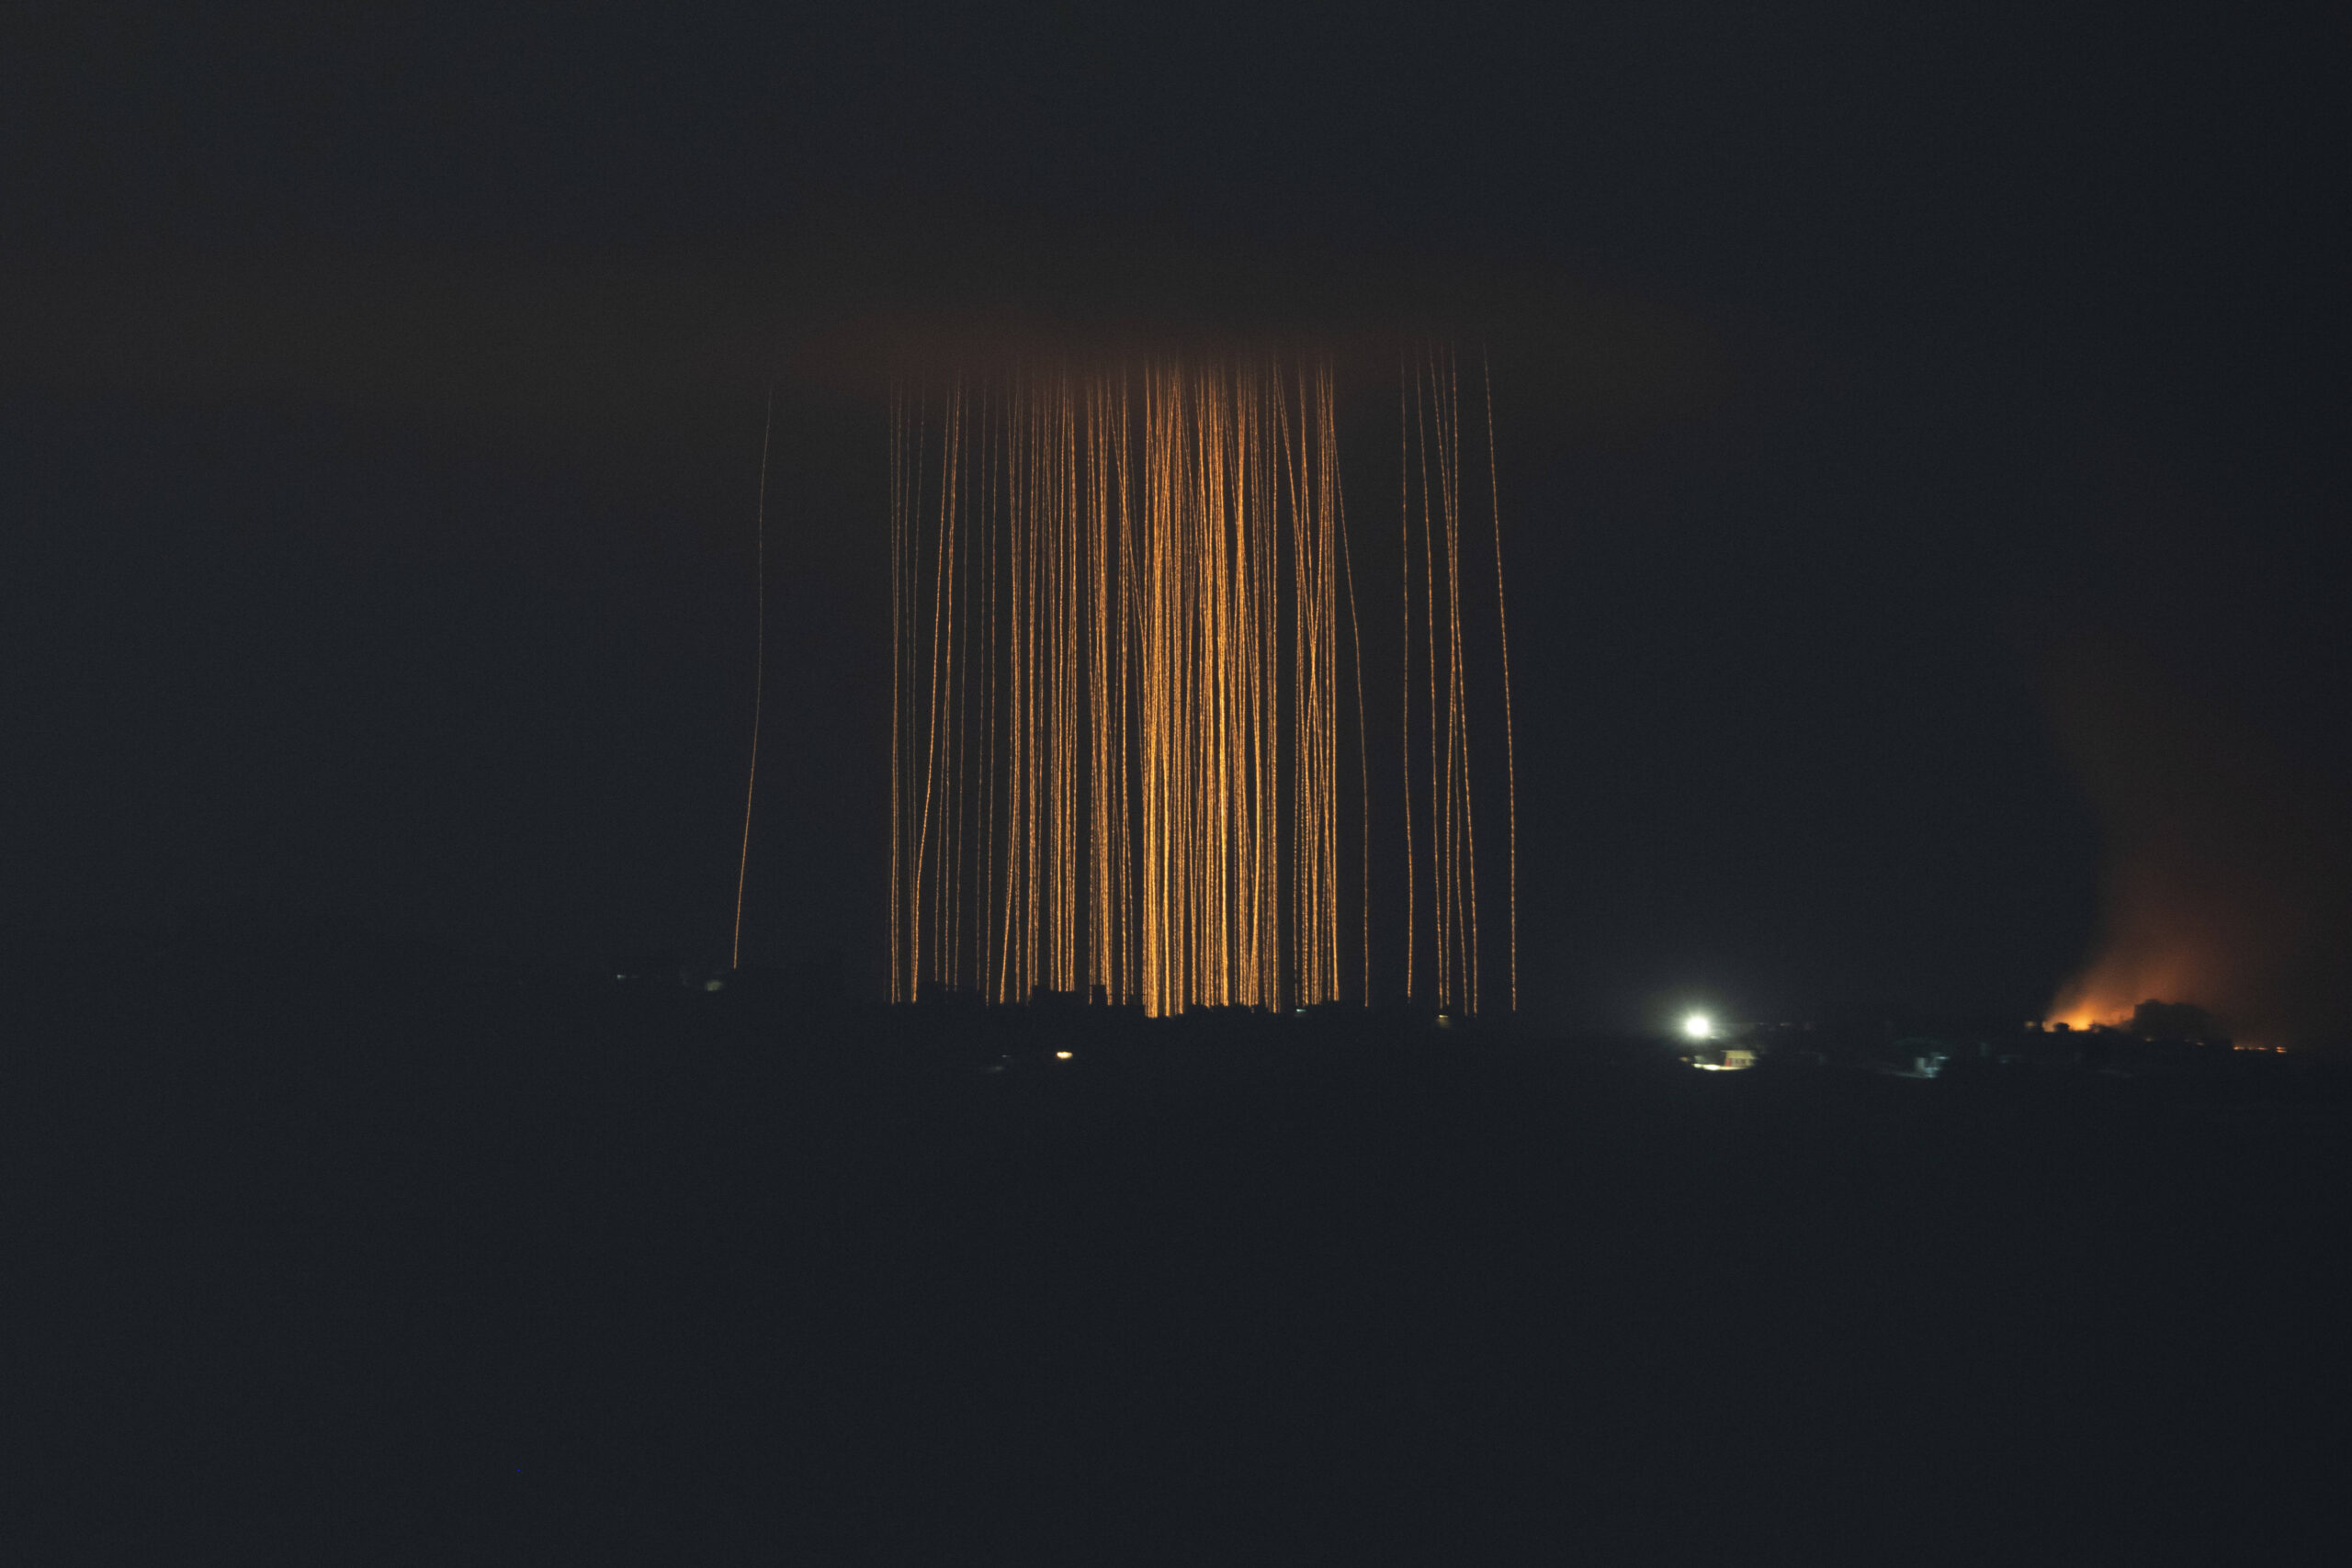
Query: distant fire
[2223,886]
[2177,932]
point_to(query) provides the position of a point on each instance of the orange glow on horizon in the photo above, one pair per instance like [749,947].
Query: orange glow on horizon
[2225,858]
[2179,935]
[2129,973]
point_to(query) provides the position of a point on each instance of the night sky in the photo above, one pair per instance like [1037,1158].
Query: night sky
[381,401]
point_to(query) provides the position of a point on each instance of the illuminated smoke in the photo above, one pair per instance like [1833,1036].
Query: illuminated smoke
[2226,867]
[1117,695]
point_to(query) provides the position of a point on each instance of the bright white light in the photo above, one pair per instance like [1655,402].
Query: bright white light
[1061,1055]
[1698,1026]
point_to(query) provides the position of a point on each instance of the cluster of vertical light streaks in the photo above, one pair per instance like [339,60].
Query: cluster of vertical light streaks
[1430,538]
[1115,720]
[1116,698]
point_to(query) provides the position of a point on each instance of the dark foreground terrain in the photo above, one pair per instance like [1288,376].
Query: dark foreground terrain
[402,1261]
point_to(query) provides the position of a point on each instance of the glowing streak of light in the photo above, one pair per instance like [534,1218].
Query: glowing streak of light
[1502,625]
[898,663]
[1430,467]
[1140,617]
[942,597]
[759,676]
[1439,882]
[1363,761]
[1466,860]
[1405,699]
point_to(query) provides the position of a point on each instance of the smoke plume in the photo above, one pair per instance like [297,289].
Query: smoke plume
[2226,866]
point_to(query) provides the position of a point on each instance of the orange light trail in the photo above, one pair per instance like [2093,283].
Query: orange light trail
[1502,629]
[1430,411]
[1116,724]
[759,676]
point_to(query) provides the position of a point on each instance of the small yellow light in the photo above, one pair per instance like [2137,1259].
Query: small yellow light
[1061,1055]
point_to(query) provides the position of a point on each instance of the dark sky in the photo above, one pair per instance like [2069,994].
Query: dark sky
[380,398]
